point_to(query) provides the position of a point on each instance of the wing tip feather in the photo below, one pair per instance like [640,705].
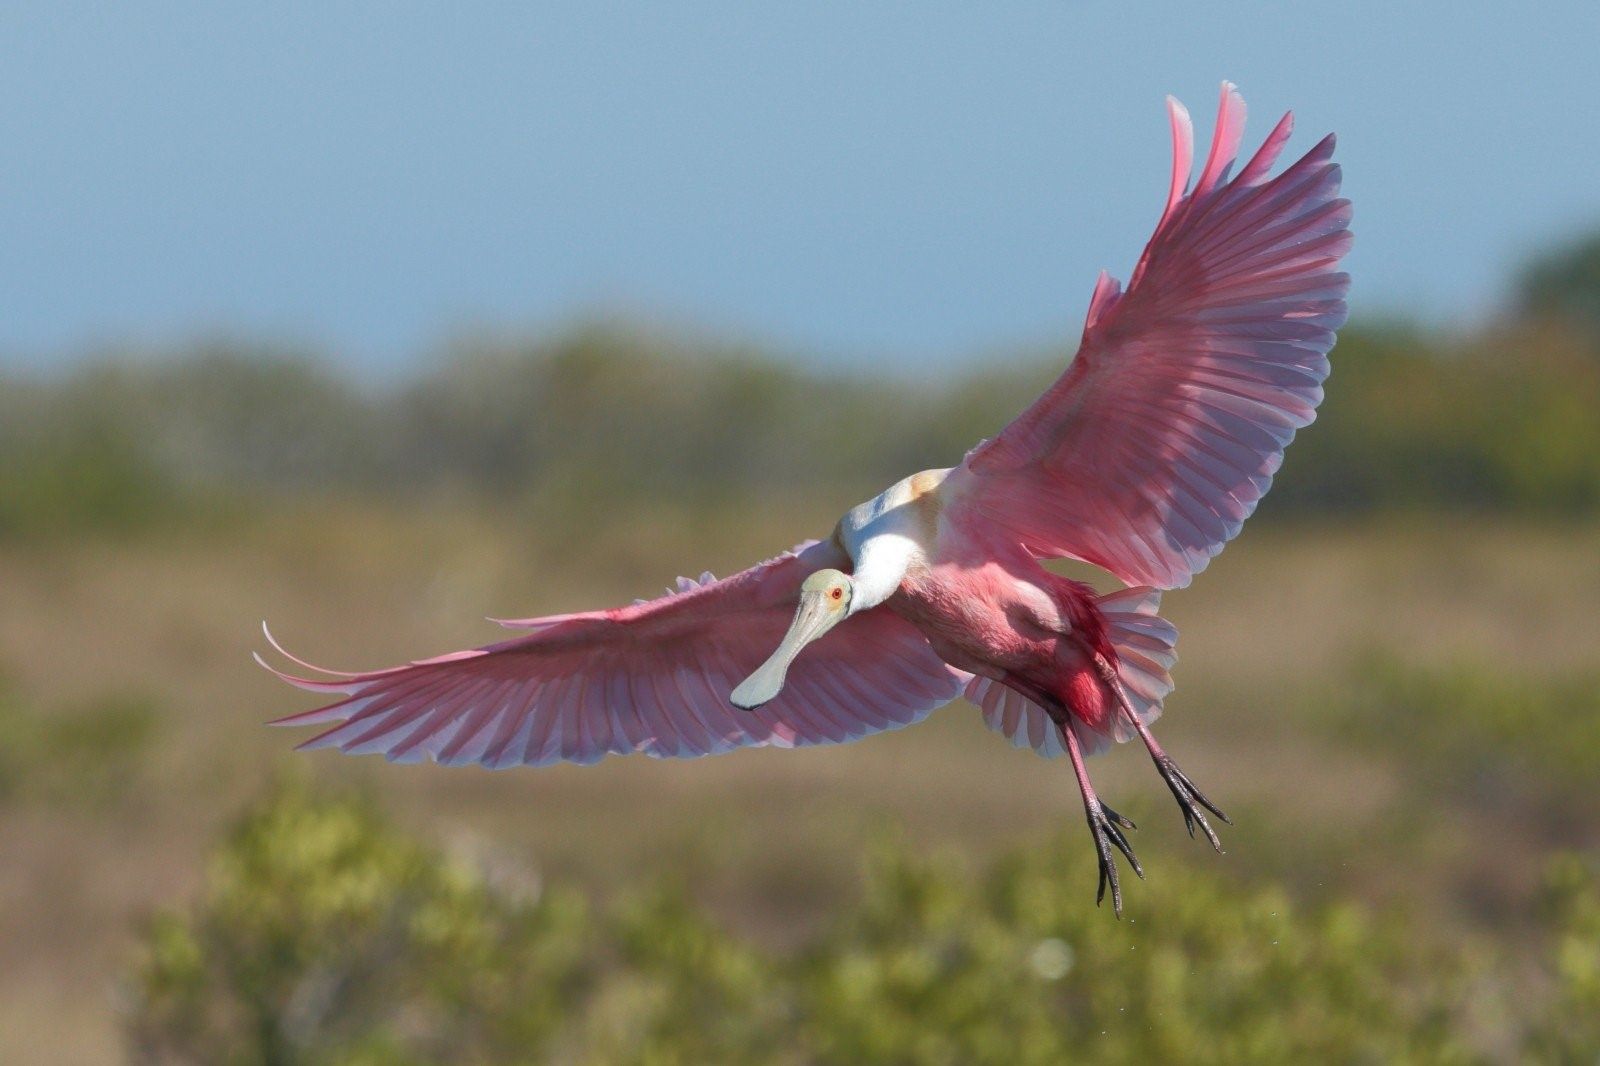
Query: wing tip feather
[287,654]
[1182,152]
[307,683]
[1226,137]
[1107,290]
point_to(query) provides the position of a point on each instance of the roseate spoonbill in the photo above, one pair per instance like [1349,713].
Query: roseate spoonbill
[1144,458]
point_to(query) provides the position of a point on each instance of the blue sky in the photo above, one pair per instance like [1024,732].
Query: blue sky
[911,182]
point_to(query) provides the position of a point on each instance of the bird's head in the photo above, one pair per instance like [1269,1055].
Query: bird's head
[824,603]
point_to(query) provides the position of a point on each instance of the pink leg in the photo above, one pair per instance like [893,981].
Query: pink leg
[1105,825]
[1190,799]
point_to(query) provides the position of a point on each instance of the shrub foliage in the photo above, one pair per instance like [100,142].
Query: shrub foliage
[325,934]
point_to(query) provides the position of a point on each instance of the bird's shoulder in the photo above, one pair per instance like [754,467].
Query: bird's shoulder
[910,508]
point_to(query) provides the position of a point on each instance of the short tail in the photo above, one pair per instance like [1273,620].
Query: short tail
[1145,644]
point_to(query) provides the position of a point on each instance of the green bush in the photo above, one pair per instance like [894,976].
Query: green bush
[684,992]
[326,935]
[1564,284]
[79,476]
[1571,1032]
[1017,968]
[1416,421]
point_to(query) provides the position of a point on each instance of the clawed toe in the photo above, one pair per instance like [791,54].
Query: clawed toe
[1126,823]
[1107,826]
[1190,800]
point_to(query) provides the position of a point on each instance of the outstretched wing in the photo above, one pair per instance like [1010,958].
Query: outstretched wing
[1149,452]
[652,678]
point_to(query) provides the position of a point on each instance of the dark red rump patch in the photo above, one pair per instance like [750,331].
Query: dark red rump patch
[1079,685]
[1079,604]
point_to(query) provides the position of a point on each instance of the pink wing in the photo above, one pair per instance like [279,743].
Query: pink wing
[650,678]
[1149,452]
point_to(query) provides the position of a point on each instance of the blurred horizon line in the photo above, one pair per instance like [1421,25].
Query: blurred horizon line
[674,332]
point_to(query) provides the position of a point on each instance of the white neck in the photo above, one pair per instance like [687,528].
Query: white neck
[881,564]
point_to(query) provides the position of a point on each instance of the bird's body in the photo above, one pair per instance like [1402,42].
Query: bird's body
[1144,458]
[1018,624]
[988,609]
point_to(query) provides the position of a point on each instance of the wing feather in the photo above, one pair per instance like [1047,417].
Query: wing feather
[1156,444]
[653,677]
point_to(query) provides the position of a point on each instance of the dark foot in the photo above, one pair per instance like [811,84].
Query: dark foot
[1126,823]
[1107,826]
[1188,796]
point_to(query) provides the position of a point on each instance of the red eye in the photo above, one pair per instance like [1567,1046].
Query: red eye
[837,593]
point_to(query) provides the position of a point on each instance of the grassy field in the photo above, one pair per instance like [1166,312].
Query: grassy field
[1320,664]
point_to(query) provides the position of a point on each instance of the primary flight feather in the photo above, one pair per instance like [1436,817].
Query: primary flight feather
[1144,458]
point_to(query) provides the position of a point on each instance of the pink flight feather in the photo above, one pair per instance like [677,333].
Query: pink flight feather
[1157,442]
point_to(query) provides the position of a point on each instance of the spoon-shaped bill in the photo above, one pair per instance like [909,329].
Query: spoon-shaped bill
[816,614]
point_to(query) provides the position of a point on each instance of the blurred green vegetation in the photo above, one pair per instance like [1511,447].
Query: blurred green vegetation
[1415,421]
[74,462]
[1489,731]
[1571,1031]
[325,934]
[606,418]
[1565,285]
[86,754]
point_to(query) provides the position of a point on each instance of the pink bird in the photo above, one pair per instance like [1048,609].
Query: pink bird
[1144,458]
